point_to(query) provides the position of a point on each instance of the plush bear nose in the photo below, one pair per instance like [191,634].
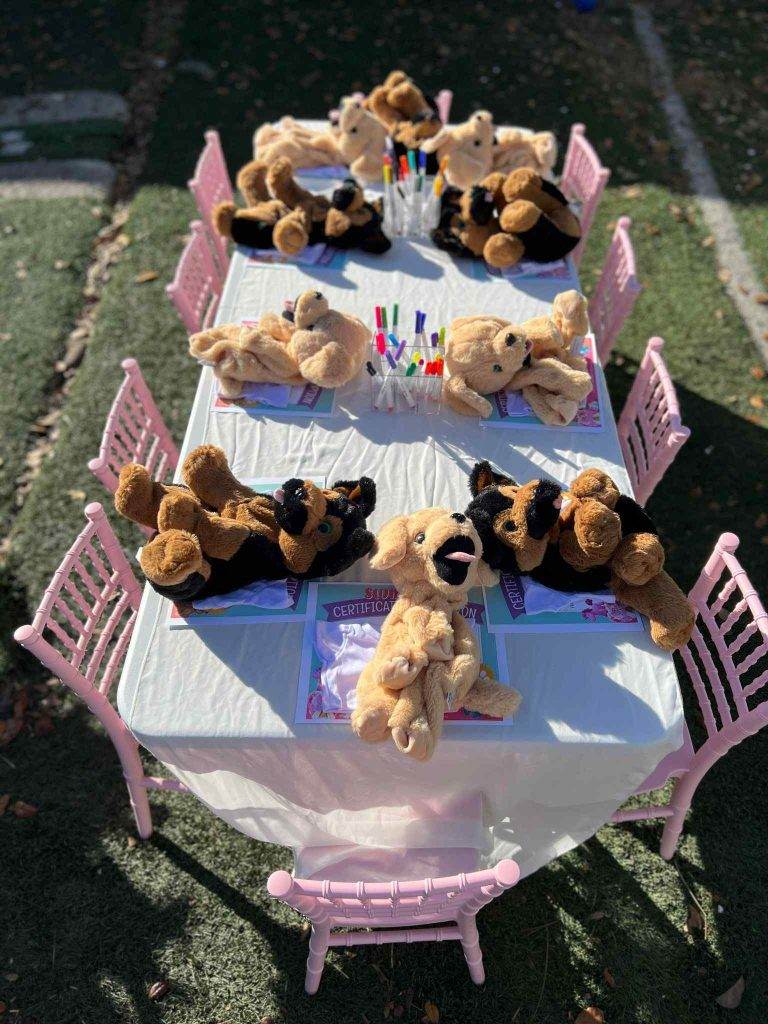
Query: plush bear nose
[318,295]
[459,517]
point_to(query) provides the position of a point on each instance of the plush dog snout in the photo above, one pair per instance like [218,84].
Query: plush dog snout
[459,517]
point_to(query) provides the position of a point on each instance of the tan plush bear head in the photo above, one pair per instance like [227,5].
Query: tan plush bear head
[329,347]
[517,148]
[360,133]
[433,552]
[467,149]
[482,354]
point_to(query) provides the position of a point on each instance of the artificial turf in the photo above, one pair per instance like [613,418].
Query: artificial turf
[93,921]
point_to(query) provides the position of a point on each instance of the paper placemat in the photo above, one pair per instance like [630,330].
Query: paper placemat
[520,604]
[342,629]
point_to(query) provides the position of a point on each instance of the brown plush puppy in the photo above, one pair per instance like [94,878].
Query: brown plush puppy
[600,539]
[427,659]
[404,110]
[536,223]
[485,354]
[312,344]
[252,225]
[214,534]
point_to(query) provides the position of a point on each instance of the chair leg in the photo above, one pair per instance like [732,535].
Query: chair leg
[318,947]
[470,943]
[128,751]
[137,794]
[680,801]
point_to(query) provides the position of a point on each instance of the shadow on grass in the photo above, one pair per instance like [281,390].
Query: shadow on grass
[84,938]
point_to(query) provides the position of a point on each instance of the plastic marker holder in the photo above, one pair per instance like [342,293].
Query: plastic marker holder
[406,374]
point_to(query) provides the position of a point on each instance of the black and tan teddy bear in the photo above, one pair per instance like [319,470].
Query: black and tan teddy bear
[599,539]
[506,219]
[280,214]
[215,535]
[409,115]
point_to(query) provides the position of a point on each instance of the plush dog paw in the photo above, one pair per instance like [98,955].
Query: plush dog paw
[170,557]
[440,648]
[401,669]
[416,740]
[370,723]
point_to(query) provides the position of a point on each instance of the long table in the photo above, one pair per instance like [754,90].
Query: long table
[216,703]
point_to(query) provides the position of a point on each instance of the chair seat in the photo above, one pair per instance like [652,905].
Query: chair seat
[671,767]
[370,864]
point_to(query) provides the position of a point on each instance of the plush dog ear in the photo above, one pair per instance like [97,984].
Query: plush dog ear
[291,513]
[360,492]
[391,543]
[483,475]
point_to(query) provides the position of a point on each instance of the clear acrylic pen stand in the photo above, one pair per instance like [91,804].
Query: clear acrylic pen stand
[413,385]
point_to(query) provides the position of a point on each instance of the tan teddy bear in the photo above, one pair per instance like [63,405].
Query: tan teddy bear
[516,147]
[427,659]
[485,354]
[312,344]
[362,140]
[466,151]
[304,147]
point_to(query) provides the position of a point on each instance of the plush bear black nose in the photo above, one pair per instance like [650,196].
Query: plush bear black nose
[318,295]
[459,517]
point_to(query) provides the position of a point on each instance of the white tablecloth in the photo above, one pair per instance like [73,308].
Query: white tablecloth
[216,704]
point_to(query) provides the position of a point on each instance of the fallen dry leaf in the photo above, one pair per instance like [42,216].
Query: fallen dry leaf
[596,915]
[11,976]
[23,810]
[158,990]
[724,275]
[633,192]
[431,1014]
[695,921]
[731,998]
[756,401]
[757,372]
[761,298]
[132,842]
[592,1015]
[652,229]
[708,242]
[76,495]
[753,181]
[5,799]
[146,275]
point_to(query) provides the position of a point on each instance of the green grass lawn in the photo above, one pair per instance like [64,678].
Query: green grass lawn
[94,920]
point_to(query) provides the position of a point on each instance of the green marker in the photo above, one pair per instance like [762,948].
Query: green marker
[384,318]
[395,310]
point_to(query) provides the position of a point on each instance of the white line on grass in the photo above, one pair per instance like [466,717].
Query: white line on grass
[729,245]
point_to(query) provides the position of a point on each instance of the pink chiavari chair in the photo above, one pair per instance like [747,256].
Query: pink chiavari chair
[81,633]
[210,185]
[134,432]
[727,662]
[616,291]
[583,181]
[391,907]
[444,99]
[650,430]
[196,289]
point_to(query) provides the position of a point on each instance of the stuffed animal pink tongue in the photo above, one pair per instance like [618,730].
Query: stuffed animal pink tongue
[461,556]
